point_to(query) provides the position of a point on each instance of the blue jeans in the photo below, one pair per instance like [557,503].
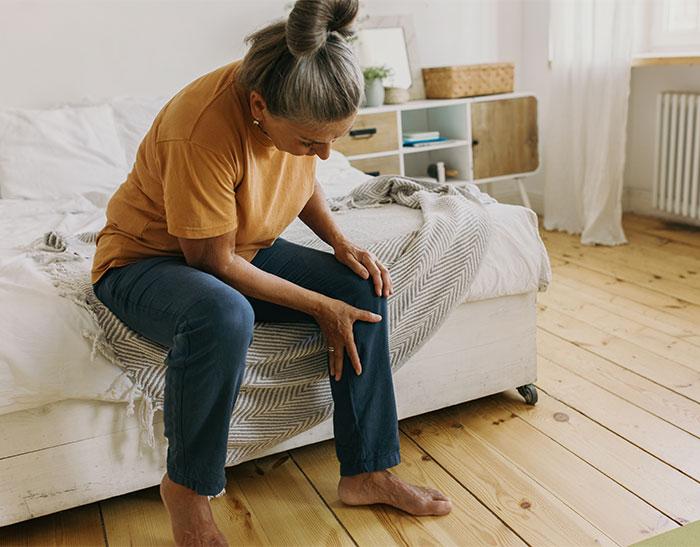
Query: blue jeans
[207,326]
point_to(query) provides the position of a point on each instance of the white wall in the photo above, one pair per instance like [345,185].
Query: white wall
[60,50]
[54,51]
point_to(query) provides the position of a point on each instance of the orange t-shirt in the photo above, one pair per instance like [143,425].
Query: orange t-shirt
[202,170]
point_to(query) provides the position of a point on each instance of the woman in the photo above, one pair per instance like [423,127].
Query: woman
[190,257]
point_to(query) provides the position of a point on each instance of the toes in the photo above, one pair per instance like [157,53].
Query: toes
[440,507]
[433,493]
[437,495]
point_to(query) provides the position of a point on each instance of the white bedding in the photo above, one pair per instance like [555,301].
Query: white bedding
[45,355]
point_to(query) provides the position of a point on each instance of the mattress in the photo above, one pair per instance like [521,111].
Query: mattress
[46,355]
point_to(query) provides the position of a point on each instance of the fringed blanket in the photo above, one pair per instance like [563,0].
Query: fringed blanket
[285,390]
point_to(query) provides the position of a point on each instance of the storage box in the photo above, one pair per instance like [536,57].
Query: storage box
[451,82]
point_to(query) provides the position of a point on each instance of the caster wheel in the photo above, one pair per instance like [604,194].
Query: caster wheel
[529,393]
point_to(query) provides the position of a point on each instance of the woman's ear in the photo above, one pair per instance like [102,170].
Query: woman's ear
[257,105]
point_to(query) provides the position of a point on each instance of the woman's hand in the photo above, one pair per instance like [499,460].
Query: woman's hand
[364,264]
[336,319]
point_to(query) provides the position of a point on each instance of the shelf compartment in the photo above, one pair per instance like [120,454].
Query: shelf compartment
[452,143]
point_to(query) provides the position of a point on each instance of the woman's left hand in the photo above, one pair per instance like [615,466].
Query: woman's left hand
[364,264]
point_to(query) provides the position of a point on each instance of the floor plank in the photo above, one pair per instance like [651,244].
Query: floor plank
[288,509]
[535,514]
[138,518]
[569,301]
[469,523]
[681,233]
[79,526]
[669,263]
[669,374]
[663,487]
[620,287]
[582,487]
[654,318]
[661,439]
[673,250]
[654,398]
[662,283]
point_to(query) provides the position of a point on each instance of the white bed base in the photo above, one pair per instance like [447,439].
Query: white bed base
[74,452]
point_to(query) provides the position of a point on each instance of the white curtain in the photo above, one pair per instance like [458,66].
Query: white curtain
[592,44]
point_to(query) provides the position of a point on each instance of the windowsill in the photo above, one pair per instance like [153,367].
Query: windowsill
[661,59]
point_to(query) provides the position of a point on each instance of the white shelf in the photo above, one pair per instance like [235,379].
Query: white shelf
[436,103]
[452,143]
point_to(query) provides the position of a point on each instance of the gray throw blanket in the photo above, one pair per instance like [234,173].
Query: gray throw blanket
[285,390]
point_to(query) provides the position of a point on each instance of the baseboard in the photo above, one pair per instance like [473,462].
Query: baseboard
[640,201]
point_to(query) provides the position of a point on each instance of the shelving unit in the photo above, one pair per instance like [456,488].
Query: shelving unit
[491,138]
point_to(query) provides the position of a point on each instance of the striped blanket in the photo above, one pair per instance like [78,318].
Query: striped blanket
[285,390]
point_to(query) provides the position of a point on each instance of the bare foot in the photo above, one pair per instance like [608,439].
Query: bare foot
[384,487]
[190,516]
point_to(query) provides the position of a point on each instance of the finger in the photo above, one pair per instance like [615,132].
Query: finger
[386,277]
[338,360]
[366,315]
[358,268]
[331,359]
[375,273]
[352,353]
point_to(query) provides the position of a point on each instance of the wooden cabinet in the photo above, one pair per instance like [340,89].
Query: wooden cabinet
[488,138]
[369,134]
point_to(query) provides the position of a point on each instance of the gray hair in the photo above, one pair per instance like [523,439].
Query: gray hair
[304,67]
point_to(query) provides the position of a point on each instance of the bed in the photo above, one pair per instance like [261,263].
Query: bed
[65,438]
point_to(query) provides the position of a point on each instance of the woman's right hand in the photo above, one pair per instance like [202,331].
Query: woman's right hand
[336,319]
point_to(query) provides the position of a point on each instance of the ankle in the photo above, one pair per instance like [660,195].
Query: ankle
[174,489]
[362,478]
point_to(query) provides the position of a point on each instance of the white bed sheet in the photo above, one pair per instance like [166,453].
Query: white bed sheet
[46,357]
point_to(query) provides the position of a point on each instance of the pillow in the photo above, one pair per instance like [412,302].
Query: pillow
[60,152]
[133,117]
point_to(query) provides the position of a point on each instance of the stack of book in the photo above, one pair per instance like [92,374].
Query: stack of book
[422,138]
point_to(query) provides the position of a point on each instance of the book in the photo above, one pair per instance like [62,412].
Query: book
[426,142]
[420,135]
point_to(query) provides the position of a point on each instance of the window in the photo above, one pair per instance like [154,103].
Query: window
[674,25]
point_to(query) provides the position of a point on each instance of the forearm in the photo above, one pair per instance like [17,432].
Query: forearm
[317,215]
[256,283]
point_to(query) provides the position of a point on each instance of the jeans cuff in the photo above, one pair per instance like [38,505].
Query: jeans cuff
[378,463]
[203,488]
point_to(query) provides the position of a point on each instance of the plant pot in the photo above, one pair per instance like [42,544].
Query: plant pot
[374,93]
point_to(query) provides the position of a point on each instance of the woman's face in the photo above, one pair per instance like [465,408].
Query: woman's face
[297,138]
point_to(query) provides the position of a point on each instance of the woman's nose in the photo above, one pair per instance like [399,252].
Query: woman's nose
[323,151]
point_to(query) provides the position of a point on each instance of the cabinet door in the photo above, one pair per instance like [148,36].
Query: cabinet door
[504,137]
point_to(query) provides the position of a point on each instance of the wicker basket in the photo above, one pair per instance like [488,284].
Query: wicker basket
[450,82]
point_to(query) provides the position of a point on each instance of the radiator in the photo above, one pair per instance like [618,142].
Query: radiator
[677,158]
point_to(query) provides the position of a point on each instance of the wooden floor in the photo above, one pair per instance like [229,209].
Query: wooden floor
[610,454]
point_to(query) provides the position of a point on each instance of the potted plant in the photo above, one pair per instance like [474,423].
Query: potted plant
[374,88]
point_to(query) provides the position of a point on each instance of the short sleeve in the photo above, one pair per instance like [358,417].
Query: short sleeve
[198,190]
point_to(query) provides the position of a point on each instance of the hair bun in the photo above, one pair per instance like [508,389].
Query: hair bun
[311,21]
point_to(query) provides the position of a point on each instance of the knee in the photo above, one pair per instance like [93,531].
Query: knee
[224,321]
[363,295]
